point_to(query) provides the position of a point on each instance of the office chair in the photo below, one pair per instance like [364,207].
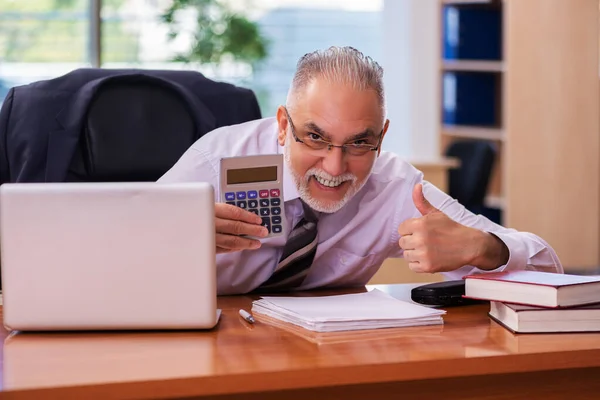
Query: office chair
[96,124]
[469,182]
[133,131]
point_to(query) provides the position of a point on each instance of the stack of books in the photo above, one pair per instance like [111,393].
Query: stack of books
[539,302]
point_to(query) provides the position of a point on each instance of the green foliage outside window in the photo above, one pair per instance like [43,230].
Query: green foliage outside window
[58,31]
[220,33]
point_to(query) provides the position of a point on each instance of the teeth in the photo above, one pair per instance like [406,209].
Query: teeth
[327,182]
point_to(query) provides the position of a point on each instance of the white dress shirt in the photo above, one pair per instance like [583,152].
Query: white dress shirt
[354,241]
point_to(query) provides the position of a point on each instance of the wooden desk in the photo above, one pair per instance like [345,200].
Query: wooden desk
[469,357]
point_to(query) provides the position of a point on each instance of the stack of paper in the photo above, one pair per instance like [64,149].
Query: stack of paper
[369,310]
[363,335]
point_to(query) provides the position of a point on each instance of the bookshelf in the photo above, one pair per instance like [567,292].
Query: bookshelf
[467,1]
[481,70]
[547,129]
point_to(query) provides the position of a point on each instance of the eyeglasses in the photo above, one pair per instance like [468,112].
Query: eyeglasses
[316,142]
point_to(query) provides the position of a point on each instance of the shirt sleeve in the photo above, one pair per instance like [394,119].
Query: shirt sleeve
[193,166]
[526,250]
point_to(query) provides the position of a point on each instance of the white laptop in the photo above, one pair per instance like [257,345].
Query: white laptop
[108,256]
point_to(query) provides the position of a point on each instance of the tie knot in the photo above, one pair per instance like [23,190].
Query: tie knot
[309,214]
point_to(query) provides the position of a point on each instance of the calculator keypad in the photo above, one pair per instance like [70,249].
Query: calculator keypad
[265,203]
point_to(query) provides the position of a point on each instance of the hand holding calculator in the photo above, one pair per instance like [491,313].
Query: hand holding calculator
[255,184]
[264,203]
[237,229]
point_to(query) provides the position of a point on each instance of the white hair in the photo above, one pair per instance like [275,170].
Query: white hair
[344,65]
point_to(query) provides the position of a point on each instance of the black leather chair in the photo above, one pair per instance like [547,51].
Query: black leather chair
[133,131]
[469,183]
[112,125]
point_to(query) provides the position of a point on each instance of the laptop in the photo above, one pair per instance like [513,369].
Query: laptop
[108,256]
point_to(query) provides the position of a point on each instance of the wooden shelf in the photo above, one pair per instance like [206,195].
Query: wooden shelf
[494,202]
[441,162]
[473,132]
[469,1]
[473,65]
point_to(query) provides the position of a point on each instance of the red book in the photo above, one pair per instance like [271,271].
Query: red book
[543,289]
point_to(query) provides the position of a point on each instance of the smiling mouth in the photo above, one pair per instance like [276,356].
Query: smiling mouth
[329,183]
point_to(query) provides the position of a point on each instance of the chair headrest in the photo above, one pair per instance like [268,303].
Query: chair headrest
[135,131]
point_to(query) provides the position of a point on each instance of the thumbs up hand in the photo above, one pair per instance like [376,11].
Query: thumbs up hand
[436,243]
[424,206]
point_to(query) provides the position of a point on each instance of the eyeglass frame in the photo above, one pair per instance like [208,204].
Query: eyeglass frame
[330,145]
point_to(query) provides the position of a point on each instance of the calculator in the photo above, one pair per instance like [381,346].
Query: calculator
[255,183]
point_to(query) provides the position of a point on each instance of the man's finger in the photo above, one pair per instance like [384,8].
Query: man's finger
[236,243]
[408,227]
[221,250]
[408,242]
[227,211]
[422,204]
[415,266]
[417,255]
[408,255]
[239,228]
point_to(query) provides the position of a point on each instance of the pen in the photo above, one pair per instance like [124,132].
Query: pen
[246,315]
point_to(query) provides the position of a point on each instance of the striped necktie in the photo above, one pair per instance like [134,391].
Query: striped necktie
[298,254]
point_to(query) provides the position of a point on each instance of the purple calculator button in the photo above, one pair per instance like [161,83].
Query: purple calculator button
[230,196]
[252,194]
[241,195]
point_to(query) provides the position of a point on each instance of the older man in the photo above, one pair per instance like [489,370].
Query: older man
[351,205]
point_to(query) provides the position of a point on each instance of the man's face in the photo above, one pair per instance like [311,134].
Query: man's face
[337,114]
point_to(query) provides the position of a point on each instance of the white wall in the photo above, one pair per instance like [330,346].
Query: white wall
[411,60]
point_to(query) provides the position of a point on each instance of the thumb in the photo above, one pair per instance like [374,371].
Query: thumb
[421,202]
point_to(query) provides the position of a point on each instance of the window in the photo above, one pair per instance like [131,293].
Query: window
[41,39]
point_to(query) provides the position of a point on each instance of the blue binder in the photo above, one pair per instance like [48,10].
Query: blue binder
[472,32]
[470,98]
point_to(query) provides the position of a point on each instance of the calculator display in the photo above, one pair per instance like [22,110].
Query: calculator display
[249,175]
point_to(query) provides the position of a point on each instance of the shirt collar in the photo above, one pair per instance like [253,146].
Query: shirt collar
[290,191]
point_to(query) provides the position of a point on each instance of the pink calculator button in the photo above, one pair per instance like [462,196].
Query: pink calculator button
[263,194]
[274,192]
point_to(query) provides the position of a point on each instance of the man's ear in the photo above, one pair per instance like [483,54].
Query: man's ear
[282,123]
[385,128]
